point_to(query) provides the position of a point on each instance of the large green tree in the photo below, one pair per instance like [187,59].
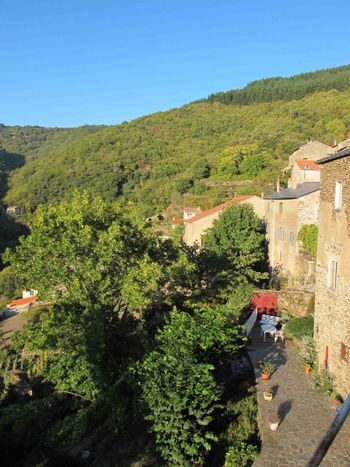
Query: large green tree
[179,384]
[92,262]
[234,247]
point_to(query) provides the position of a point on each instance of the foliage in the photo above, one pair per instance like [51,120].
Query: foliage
[307,351]
[146,161]
[296,328]
[307,235]
[296,87]
[241,434]
[92,262]
[239,298]
[179,386]
[235,245]
[8,286]
[324,382]
[267,367]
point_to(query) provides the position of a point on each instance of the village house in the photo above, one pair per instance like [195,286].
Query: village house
[311,151]
[286,212]
[188,213]
[196,226]
[332,295]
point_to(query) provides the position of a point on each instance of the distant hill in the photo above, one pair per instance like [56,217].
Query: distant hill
[154,160]
[295,87]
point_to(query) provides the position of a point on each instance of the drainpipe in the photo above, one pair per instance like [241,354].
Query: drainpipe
[332,432]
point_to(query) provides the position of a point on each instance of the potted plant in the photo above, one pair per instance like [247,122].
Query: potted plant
[267,368]
[268,395]
[307,353]
[274,421]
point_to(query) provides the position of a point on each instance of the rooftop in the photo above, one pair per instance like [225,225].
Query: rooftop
[332,157]
[293,193]
[308,165]
[23,301]
[220,207]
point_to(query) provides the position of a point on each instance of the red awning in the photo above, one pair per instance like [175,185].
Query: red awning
[266,302]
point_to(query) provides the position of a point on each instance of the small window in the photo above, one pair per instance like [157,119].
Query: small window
[281,256]
[280,208]
[281,233]
[344,352]
[291,238]
[338,196]
[332,274]
[267,227]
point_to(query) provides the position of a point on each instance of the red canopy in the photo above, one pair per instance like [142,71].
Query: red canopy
[266,302]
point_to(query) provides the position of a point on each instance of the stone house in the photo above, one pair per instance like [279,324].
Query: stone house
[286,212]
[332,295]
[311,151]
[196,226]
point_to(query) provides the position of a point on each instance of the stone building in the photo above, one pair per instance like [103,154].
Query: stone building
[286,212]
[311,151]
[332,295]
[196,226]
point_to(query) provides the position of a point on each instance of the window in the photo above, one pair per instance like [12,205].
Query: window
[267,227]
[281,233]
[344,352]
[338,196]
[291,239]
[332,274]
[280,208]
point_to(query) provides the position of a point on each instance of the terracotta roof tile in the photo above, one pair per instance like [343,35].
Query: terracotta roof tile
[23,301]
[308,165]
[177,221]
[220,207]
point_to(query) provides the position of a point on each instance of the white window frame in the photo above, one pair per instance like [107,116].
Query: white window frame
[332,273]
[338,196]
[291,239]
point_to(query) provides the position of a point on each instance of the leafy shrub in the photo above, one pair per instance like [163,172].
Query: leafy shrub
[324,382]
[307,351]
[242,433]
[267,367]
[296,328]
[307,235]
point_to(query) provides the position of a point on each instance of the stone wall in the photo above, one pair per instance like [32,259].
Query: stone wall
[332,307]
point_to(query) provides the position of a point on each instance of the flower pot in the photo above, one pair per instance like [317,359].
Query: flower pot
[274,421]
[307,370]
[268,396]
[265,376]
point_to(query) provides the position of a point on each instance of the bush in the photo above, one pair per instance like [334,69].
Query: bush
[307,235]
[324,382]
[296,328]
[307,351]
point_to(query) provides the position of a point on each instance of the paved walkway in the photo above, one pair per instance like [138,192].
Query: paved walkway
[305,414]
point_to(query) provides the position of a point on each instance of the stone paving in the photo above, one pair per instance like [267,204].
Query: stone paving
[305,414]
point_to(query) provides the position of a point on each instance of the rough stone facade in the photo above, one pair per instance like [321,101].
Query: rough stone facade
[290,215]
[312,151]
[332,302]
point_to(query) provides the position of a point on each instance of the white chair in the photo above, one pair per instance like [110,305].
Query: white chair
[279,334]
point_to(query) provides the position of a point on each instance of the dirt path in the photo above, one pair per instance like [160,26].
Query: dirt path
[10,325]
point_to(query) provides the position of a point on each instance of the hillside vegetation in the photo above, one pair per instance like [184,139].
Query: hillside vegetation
[154,160]
[295,87]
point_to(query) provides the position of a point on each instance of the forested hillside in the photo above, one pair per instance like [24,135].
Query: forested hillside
[296,87]
[154,160]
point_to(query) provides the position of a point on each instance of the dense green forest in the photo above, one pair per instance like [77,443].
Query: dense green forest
[295,87]
[152,161]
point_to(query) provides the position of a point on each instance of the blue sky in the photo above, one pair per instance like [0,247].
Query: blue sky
[69,63]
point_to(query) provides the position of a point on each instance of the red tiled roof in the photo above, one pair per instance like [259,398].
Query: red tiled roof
[208,212]
[308,165]
[177,221]
[23,301]
[197,209]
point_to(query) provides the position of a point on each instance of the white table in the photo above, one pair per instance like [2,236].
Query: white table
[269,319]
[268,329]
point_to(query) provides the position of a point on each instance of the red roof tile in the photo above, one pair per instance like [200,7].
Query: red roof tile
[177,221]
[308,165]
[23,301]
[221,207]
